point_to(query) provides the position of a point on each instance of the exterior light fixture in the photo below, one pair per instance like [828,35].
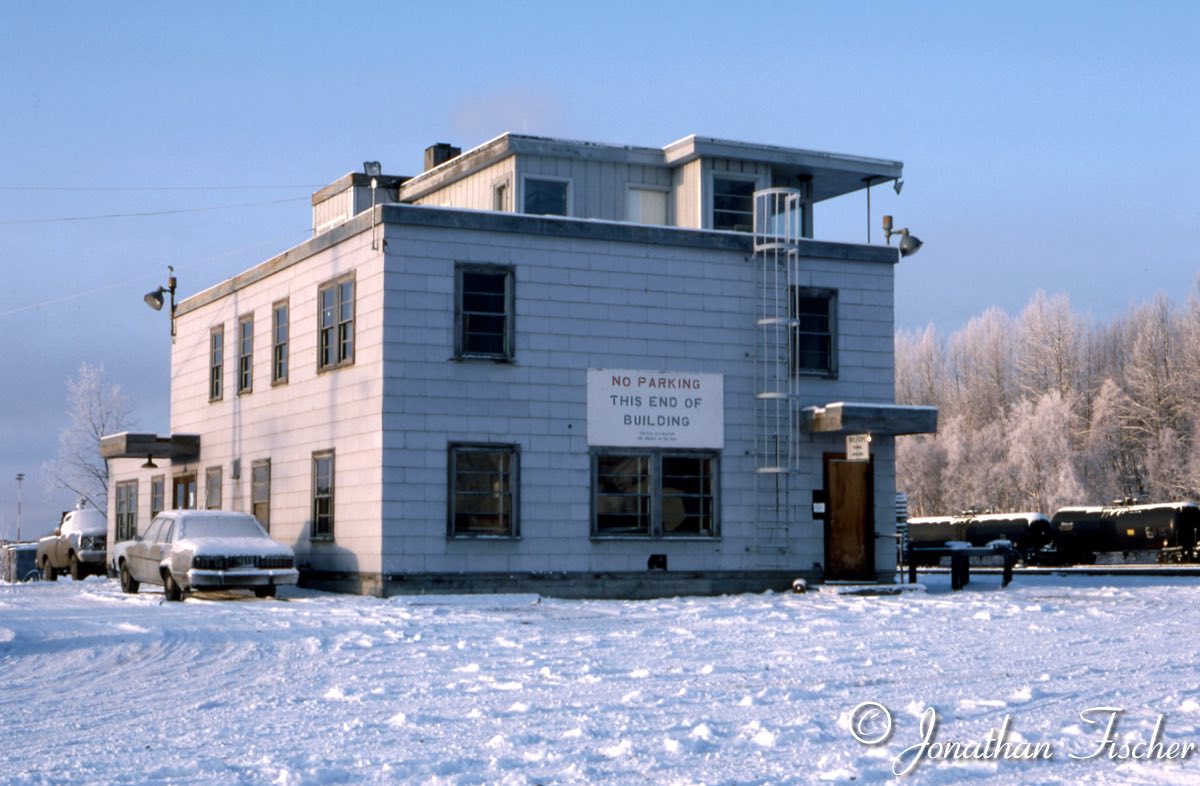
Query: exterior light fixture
[149,462]
[909,244]
[372,168]
[155,299]
[897,185]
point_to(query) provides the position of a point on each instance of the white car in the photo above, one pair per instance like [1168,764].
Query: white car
[77,546]
[186,550]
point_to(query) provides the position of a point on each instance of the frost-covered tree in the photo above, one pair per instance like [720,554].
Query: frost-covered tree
[95,408]
[1040,455]
[981,365]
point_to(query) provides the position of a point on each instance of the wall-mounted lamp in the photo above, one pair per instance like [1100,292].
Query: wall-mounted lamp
[155,299]
[372,168]
[909,244]
[897,185]
[149,462]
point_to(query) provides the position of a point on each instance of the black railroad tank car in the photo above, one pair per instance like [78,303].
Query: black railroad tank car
[1028,532]
[1169,529]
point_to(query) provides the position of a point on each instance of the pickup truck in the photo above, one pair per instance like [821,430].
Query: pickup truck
[77,546]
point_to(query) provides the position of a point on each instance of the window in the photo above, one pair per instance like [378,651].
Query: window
[158,493]
[733,204]
[212,488]
[484,324]
[813,313]
[216,358]
[547,197]
[500,196]
[279,343]
[126,510]
[322,485]
[647,206]
[483,490]
[654,494]
[245,381]
[183,492]
[260,492]
[335,301]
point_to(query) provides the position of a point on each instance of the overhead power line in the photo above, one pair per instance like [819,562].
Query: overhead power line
[177,211]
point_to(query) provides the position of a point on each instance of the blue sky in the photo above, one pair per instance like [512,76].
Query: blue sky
[1046,146]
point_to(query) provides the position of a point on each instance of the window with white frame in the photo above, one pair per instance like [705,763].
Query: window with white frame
[126,510]
[813,338]
[484,306]
[212,488]
[646,205]
[483,491]
[733,203]
[216,362]
[245,381]
[547,196]
[500,197]
[322,495]
[335,310]
[279,343]
[654,493]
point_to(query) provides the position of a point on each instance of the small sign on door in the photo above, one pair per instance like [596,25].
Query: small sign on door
[858,447]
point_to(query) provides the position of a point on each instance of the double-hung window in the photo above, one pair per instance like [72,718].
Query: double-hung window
[484,306]
[158,493]
[260,492]
[483,491]
[646,205]
[322,495]
[335,307]
[279,343]
[126,510]
[212,488]
[245,381]
[655,493]
[813,339]
[216,362]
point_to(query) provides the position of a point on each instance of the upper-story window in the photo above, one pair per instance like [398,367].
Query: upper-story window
[484,324]
[216,362]
[500,197]
[279,343]
[733,203]
[245,381]
[647,205]
[814,331]
[335,310]
[547,197]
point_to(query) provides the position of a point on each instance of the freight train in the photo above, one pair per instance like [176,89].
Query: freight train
[1165,532]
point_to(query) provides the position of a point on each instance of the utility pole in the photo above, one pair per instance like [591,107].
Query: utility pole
[20,477]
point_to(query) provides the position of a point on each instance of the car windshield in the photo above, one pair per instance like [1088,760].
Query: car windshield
[226,527]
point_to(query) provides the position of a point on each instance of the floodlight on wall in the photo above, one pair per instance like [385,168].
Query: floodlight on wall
[909,244]
[372,168]
[897,185]
[155,299]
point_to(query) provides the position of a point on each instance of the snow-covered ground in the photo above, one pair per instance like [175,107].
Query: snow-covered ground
[313,688]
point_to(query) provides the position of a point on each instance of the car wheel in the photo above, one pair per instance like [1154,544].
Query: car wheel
[128,583]
[170,588]
[48,572]
[265,592]
[77,571]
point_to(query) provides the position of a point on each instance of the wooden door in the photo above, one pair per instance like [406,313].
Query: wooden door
[850,521]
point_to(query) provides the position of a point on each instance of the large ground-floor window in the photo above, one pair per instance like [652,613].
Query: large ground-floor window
[126,510]
[483,491]
[654,494]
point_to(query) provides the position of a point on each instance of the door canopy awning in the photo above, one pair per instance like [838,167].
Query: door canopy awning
[128,445]
[856,418]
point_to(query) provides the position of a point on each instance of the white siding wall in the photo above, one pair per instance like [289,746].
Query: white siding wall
[474,192]
[338,409]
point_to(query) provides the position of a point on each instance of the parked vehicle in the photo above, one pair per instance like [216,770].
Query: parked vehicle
[77,546]
[185,550]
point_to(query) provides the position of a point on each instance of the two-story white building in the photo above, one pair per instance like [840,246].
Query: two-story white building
[552,366]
